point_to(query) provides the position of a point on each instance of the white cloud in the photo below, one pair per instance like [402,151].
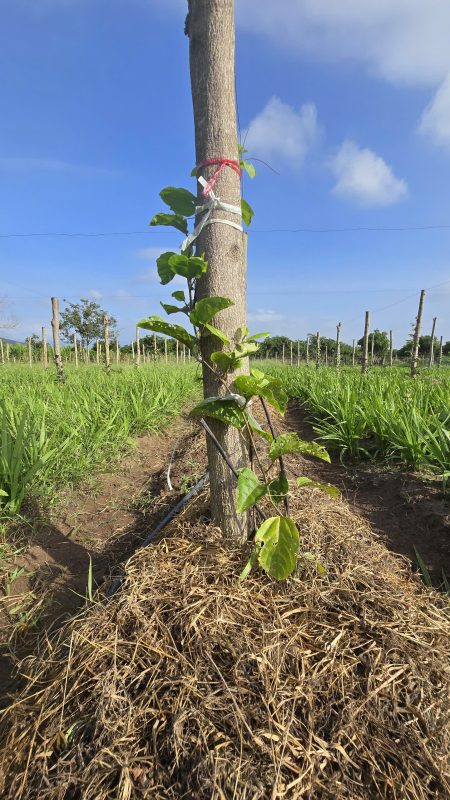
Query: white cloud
[364,176]
[403,41]
[95,294]
[280,133]
[151,253]
[435,122]
[264,315]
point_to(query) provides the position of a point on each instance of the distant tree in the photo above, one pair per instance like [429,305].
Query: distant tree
[446,349]
[425,344]
[86,320]
[380,343]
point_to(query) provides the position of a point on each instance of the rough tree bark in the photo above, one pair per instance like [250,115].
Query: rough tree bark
[210,27]
[415,347]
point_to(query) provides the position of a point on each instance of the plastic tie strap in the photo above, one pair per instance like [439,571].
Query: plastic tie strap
[212,204]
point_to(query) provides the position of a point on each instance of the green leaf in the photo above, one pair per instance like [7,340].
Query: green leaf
[170,309]
[321,570]
[260,385]
[159,325]
[216,332]
[204,310]
[250,490]
[280,543]
[225,361]
[188,267]
[279,488]
[241,334]
[256,427]
[179,295]
[249,168]
[333,491]
[227,409]
[291,443]
[165,273]
[247,212]
[257,336]
[179,200]
[172,220]
[246,349]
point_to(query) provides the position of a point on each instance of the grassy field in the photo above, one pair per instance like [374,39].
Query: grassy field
[383,414]
[53,435]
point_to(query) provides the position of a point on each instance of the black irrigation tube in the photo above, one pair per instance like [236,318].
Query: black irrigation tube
[117,583]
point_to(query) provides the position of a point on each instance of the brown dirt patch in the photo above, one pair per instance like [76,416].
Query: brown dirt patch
[407,509]
[102,522]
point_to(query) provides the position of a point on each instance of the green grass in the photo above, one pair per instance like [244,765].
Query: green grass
[53,435]
[383,415]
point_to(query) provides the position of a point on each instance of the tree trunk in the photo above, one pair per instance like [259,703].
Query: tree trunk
[210,27]
[415,347]
[431,356]
[366,343]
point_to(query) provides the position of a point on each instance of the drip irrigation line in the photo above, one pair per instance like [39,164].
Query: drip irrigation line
[117,583]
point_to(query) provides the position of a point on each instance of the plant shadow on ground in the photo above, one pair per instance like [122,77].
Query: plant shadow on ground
[409,510]
[46,580]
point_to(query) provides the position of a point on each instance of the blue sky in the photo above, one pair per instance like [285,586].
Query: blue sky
[352,110]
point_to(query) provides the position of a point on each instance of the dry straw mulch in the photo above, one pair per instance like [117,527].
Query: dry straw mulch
[189,684]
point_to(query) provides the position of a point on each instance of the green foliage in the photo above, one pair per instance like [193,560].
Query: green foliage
[227,409]
[250,490]
[247,212]
[277,543]
[260,385]
[165,272]
[169,329]
[179,200]
[170,220]
[291,443]
[333,491]
[204,310]
[86,320]
[190,267]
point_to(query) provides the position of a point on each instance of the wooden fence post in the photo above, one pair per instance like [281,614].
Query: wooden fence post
[138,347]
[298,352]
[439,361]
[307,349]
[7,352]
[44,348]
[106,337]
[176,344]
[326,355]
[75,349]
[431,356]
[2,352]
[338,345]
[97,352]
[365,358]
[372,346]
[318,350]
[30,352]
[354,353]
[415,347]
[391,350]
[117,351]
[56,345]
[291,354]
[165,350]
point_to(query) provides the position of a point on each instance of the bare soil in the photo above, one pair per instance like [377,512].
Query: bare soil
[101,523]
[405,508]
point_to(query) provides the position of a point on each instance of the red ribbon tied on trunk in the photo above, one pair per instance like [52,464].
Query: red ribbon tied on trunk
[221,163]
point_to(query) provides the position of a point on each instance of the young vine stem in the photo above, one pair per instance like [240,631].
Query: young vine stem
[281,459]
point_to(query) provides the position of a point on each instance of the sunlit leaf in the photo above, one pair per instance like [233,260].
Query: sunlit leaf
[179,200]
[205,309]
[191,267]
[170,309]
[250,490]
[333,491]
[247,212]
[172,220]
[291,443]
[279,488]
[179,295]
[159,325]
[225,361]
[165,273]
[216,332]
[256,427]
[280,542]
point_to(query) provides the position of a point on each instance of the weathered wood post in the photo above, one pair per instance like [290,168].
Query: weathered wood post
[106,337]
[365,357]
[318,350]
[132,350]
[291,354]
[176,347]
[354,353]
[138,347]
[30,352]
[283,352]
[391,350]
[117,352]
[326,355]
[298,352]
[165,351]
[307,349]
[431,356]
[338,345]
[97,352]
[44,348]
[415,347]
[372,346]
[75,349]
[56,345]
[439,361]
[2,352]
